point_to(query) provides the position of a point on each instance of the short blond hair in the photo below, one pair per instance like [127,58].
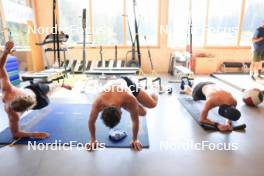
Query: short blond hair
[23,103]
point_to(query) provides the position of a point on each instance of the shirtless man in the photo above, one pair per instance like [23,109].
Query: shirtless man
[17,100]
[215,97]
[110,102]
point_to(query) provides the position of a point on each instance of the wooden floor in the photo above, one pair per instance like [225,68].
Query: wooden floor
[168,123]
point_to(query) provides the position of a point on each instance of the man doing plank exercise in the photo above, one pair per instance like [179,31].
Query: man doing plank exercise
[110,102]
[18,100]
[215,97]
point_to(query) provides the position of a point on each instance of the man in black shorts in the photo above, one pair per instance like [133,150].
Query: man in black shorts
[258,52]
[215,97]
[112,99]
[17,100]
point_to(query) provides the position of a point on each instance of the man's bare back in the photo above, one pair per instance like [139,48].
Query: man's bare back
[223,97]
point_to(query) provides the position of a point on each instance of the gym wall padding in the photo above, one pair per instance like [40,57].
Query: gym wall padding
[12,69]
[69,122]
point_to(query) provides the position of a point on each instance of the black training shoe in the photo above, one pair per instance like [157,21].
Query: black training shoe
[253,78]
[182,86]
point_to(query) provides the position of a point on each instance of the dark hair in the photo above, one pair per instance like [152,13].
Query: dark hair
[111,116]
[22,104]
[229,112]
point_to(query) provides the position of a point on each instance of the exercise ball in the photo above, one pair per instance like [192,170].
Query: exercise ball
[253,97]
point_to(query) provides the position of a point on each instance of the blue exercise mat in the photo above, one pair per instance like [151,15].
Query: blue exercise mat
[69,122]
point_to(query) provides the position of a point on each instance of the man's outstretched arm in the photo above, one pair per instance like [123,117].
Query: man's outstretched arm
[6,85]
[91,124]
[204,114]
[133,107]
[136,145]
[14,127]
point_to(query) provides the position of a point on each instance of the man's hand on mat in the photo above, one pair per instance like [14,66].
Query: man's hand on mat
[36,135]
[224,128]
[40,135]
[229,123]
[136,145]
[92,145]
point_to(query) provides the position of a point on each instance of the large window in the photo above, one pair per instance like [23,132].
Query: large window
[71,18]
[254,17]
[109,24]
[16,20]
[147,12]
[223,22]
[198,20]
[179,22]
[215,22]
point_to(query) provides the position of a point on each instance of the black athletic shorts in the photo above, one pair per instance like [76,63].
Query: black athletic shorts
[41,91]
[197,93]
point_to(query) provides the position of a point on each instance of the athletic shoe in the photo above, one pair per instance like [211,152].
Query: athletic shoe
[253,78]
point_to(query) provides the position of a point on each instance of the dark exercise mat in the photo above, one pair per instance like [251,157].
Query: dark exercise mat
[69,122]
[195,107]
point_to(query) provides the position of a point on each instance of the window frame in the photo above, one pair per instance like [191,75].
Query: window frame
[124,27]
[4,23]
[30,3]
